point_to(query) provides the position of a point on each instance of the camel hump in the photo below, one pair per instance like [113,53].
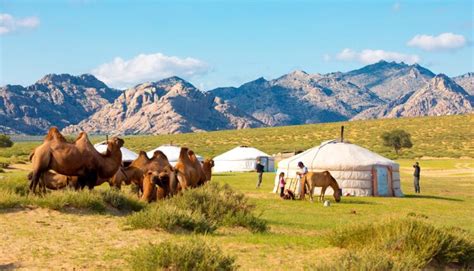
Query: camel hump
[54,133]
[143,154]
[160,154]
[81,135]
[183,154]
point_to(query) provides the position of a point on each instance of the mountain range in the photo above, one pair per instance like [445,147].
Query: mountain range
[173,105]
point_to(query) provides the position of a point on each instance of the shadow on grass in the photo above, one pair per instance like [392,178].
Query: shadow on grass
[431,197]
[8,266]
[351,201]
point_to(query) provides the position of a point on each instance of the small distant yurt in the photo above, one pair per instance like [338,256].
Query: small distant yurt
[241,159]
[358,171]
[172,152]
[127,155]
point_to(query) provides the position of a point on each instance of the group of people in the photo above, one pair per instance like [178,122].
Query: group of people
[285,193]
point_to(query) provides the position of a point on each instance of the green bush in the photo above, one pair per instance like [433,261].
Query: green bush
[203,209]
[403,244]
[5,141]
[193,254]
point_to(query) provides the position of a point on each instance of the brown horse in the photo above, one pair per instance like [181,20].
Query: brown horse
[320,179]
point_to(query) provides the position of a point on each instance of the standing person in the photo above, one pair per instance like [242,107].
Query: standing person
[300,175]
[281,178]
[416,177]
[259,167]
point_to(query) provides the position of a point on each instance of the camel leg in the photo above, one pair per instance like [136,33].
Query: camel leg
[34,181]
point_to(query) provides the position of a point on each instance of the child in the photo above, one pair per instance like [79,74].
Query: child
[281,177]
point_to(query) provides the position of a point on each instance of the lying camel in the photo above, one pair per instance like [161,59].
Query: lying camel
[160,165]
[55,181]
[75,159]
[320,179]
[207,166]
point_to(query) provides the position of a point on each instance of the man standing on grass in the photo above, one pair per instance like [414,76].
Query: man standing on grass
[259,167]
[416,177]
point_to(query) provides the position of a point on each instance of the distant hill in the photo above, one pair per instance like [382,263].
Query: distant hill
[173,105]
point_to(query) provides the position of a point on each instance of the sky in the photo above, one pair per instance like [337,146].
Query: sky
[227,43]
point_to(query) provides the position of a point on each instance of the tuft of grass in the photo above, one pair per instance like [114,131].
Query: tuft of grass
[402,244]
[201,210]
[192,254]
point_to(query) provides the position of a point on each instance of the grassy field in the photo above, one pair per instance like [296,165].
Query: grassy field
[447,136]
[85,230]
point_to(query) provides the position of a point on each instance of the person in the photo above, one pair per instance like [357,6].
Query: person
[416,177]
[281,178]
[300,174]
[259,167]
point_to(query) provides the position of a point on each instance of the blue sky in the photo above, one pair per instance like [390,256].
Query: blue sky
[227,43]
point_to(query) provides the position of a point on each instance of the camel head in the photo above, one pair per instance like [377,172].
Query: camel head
[114,144]
[208,162]
[161,178]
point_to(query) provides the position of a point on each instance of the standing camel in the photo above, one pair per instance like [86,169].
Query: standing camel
[75,159]
[187,172]
[320,179]
[201,175]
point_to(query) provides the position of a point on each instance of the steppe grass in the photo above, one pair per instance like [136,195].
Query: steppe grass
[200,210]
[192,254]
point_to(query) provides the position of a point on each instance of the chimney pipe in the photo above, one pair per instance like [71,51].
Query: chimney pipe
[342,133]
[106,138]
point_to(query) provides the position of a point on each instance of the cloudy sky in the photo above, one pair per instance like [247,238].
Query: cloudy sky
[227,43]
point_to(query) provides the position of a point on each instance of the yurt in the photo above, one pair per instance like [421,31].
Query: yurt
[127,155]
[172,152]
[241,159]
[358,171]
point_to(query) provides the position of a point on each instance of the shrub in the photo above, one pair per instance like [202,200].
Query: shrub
[403,244]
[5,141]
[203,209]
[121,201]
[193,254]
[397,139]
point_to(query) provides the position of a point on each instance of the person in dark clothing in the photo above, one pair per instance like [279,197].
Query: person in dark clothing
[416,177]
[259,167]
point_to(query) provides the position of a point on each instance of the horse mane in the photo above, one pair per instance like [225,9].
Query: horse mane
[53,133]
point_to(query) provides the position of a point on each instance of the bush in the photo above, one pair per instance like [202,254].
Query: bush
[193,254]
[203,209]
[5,141]
[402,244]
[397,139]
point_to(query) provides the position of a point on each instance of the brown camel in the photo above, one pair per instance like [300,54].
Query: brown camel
[207,166]
[75,159]
[187,171]
[154,186]
[55,181]
[320,179]
[198,166]
[160,165]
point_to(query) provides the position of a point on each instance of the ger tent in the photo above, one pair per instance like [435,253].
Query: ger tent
[172,152]
[358,171]
[241,159]
[127,155]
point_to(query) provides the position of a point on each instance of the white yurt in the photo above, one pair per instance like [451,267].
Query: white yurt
[172,152]
[358,171]
[241,159]
[127,155]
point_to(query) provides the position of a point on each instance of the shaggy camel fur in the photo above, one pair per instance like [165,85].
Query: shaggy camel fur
[320,179]
[207,166]
[155,186]
[188,173]
[75,159]
[160,164]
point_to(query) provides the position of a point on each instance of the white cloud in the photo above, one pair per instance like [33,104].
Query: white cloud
[444,41]
[10,24]
[122,73]
[369,56]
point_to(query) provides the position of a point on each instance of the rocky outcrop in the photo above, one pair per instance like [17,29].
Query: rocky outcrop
[466,81]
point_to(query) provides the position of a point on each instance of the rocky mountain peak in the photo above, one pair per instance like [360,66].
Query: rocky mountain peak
[84,80]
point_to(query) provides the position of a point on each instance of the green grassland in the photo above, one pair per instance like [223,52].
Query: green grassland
[86,233]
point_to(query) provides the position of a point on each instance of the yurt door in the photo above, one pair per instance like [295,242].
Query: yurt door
[382,181]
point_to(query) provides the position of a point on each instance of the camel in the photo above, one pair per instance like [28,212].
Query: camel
[198,166]
[75,159]
[320,179]
[187,172]
[207,166]
[155,186]
[54,181]
[160,165]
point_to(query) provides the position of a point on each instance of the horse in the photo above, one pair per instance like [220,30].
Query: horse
[320,179]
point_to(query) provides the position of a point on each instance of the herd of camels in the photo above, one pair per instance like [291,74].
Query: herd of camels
[58,164]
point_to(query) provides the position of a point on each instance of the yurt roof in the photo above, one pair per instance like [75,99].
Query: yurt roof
[240,153]
[171,152]
[127,155]
[336,155]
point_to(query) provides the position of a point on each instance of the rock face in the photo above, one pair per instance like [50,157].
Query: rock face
[173,105]
[55,100]
[466,81]
[168,106]
[441,96]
